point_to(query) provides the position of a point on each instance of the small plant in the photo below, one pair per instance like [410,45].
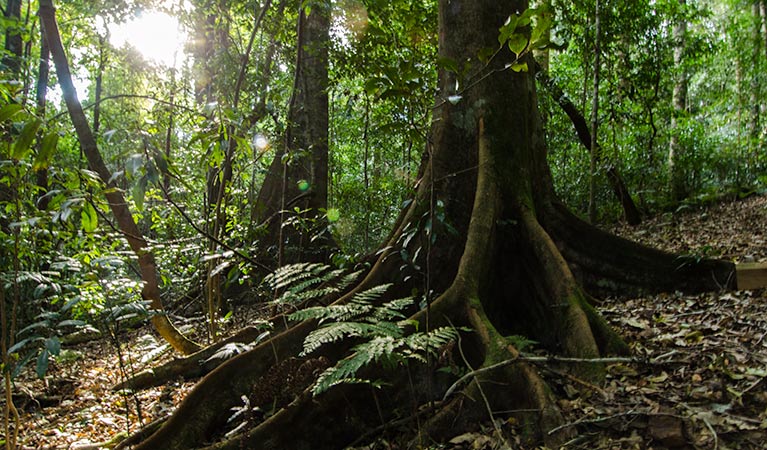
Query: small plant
[297,284]
[385,330]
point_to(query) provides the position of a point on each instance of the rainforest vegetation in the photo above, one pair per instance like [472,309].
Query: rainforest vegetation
[381,224]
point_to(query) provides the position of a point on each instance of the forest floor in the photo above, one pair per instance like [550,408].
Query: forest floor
[699,378]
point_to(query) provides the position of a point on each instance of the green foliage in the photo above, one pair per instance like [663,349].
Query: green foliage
[303,282]
[387,337]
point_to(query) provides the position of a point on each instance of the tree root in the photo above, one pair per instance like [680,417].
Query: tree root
[192,366]
[609,265]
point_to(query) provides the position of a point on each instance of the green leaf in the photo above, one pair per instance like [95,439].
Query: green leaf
[25,139]
[485,54]
[53,345]
[89,220]
[22,343]
[42,364]
[8,111]
[139,192]
[448,64]
[47,147]
[518,43]
[508,29]
[541,27]
[519,67]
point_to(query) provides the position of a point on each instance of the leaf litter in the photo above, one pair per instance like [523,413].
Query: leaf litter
[698,379]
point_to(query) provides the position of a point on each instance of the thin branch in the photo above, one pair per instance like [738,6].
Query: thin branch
[145,97]
[549,359]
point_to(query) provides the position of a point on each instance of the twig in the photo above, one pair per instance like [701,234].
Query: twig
[630,412]
[535,359]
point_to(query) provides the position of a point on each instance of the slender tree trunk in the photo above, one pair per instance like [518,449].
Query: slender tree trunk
[595,118]
[99,85]
[43,76]
[11,60]
[298,174]
[619,188]
[676,176]
[14,44]
[756,101]
[115,198]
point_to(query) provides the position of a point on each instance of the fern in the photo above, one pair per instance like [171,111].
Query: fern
[337,331]
[385,340]
[304,282]
[379,329]
[229,350]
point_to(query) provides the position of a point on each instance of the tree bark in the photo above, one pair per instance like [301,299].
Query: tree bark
[14,44]
[43,77]
[299,170]
[115,198]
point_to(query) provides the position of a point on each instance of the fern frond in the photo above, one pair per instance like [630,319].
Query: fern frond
[332,333]
[291,274]
[431,341]
[229,350]
[392,310]
[332,312]
[343,372]
[347,280]
[372,294]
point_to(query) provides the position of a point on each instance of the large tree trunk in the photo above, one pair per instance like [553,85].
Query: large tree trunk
[298,175]
[115,198]
[508,271]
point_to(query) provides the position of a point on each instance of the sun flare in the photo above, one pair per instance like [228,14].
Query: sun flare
[156,35]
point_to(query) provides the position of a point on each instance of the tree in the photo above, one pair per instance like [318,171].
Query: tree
[594,118]
[115,198]
[519,264]
[677,186]
[298,174]
[14,44]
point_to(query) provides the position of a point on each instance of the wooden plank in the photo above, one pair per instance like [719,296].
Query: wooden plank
[751,275]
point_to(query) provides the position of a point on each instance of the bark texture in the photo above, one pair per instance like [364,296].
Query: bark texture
[115,198]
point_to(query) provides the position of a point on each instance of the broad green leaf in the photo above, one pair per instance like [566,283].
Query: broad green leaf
[47,148]
[25,139]
[89,218]
[22,343]
[138,196]
[42,364]
[53,345]
[508,29]
[485,54]
[518,43]
[8,111]
[448,64]
[519,67]
[541,27]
